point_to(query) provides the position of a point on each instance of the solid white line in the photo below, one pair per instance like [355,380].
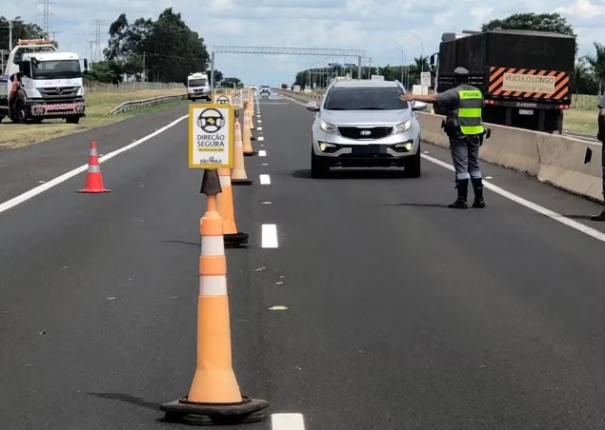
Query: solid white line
[260,138]
[60,179]
[262,153]
[530,205]
[265,180]
[287,422]
[269,236]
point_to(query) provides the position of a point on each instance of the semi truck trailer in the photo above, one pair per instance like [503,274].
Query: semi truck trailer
[525,76]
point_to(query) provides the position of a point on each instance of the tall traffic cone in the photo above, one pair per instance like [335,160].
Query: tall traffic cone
[247,135]
[94,179]
[225,208]
[238,173]
[251,117]
[214,397]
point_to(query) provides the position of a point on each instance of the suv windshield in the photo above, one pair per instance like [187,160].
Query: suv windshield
[60,69]
[365,98]
[198,82]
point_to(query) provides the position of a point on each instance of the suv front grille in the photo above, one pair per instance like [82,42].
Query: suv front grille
[362,133]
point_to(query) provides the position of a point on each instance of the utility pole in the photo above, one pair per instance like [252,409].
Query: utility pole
[45,15]
[54,33]
[144,77]
[97,53]
[92,44]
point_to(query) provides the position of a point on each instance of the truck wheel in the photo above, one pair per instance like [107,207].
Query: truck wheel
[72,120]
[22,115]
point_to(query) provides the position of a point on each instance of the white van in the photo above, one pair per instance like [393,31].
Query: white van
[198,86]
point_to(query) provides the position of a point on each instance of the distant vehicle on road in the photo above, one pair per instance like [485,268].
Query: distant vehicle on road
[265,91]
[198,87]
[365,124]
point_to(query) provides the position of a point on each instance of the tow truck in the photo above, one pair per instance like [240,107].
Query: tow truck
[40,82]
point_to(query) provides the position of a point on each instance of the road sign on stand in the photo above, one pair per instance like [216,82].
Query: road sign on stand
[425,79]
[246,93]
[222,99]
[211,136]
[237,101]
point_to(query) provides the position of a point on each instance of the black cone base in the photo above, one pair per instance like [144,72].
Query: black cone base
[215,414]
[250,154]
[241,181]
[236,239]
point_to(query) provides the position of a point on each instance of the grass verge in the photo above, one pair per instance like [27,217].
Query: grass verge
[581,121]
[97,105]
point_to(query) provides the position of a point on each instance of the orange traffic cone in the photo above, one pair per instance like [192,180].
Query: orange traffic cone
[247,136]
[238,173]
[251,117]
[214,397]
[225,208]
[94,179]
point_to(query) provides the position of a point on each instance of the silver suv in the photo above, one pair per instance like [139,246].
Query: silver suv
[365,124]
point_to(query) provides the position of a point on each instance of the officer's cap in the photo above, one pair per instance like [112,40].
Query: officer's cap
[461,71]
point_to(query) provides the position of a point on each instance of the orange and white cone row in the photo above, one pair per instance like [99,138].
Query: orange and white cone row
[238,173]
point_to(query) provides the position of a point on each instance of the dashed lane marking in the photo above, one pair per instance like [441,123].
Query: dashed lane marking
[269,240]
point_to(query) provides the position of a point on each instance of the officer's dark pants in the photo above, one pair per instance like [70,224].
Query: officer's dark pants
[603,164]
[465,155]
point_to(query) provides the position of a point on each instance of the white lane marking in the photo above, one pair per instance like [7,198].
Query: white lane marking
[262,145]
[287,422]
[259,121]
[530,205]
[260,138]
[269,236]
[266,203]
[260,129]
[60,179]
[265,180]
[262,153]
[265,164]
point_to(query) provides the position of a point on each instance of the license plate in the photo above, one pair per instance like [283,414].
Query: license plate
[369,150]
[526,112]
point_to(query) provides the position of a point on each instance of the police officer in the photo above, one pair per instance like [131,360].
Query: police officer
[601,137]
[464,127]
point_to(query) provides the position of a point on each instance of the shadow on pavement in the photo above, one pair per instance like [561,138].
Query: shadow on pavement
[423,205]
[183,242]
[353,174]
[126,398]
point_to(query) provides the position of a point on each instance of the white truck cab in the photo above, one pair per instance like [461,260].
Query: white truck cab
[40,82]
[198,86]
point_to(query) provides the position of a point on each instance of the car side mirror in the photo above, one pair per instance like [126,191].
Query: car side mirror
[416,105]
[312,106]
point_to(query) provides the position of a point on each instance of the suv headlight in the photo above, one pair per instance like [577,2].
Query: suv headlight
[403,127]
[328,128]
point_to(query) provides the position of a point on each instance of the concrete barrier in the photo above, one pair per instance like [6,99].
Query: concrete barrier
[560,161]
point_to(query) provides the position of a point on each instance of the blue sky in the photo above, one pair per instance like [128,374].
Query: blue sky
[370,25]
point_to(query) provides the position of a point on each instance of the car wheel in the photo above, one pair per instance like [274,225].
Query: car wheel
[319,168]
[413,165]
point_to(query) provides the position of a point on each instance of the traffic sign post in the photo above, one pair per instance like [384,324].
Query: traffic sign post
[246,93]
[425,79]
[237,100]
[211,136]
[222,99]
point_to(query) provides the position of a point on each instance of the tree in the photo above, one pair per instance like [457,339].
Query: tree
[233,82]
[551,22]
[165,50]
[218,77]
[108,72]
[21,30]
[597,64]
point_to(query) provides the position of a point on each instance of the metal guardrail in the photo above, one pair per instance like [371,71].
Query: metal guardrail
[141,104]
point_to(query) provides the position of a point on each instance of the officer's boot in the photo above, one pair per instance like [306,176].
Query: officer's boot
[461,201]
[478,190]
[600,217]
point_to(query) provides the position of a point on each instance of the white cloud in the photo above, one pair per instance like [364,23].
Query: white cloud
[370,25]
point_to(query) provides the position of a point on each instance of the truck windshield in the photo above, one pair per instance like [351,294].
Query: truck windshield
[59,69]
[365,98]
[198,82]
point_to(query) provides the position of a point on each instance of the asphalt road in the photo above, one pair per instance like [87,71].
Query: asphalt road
[401,314]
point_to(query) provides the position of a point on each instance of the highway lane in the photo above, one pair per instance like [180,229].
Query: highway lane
[400,312]
[22,169]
